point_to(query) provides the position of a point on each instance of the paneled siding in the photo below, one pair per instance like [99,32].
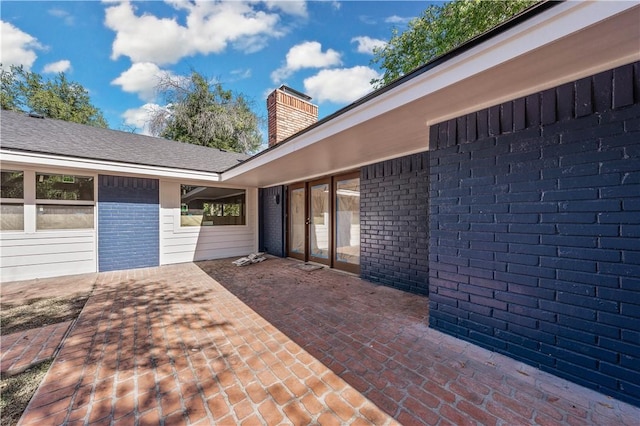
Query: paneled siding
[272,234]
[186,244]
[27,256]
[394,233]
[128,215]
[535,230]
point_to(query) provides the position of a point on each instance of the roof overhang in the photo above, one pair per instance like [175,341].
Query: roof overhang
[563,43]
[14,158]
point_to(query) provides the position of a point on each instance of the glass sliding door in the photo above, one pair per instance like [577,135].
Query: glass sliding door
[347,222]
[297,221]
[320,221]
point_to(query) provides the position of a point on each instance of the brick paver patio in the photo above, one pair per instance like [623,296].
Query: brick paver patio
[172,346]
[23,349]
[377,339]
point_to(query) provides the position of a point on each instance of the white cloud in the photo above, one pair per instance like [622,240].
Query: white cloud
[306,55]
[209,28]
[62,14]
[142,78]
[140,117]
[368,20]
[291,7]
[367,44]
[342,85]
[395,19]
[56,67]
[241,74]
[17,47]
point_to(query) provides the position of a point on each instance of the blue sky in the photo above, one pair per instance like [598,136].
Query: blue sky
[117,49]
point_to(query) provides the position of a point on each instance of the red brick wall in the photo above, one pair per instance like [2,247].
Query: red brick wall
[287,115]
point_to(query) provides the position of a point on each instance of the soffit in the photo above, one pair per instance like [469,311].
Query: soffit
[396,123]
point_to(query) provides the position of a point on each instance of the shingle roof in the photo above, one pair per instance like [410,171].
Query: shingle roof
[19,131]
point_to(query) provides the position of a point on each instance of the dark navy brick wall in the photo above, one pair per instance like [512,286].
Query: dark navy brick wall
[272,226]
[393,223]
[128,223]
[535,230]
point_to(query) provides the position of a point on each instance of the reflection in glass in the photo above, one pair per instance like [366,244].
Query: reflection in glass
[211,206]
[64,187]
[319,226]
[11,217]
[64,217]
[12,184]
[348,221]
[296,234]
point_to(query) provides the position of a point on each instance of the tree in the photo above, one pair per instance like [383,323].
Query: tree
[58,97]
[203,113]
[439,29]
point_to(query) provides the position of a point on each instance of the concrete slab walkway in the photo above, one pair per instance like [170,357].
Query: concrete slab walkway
[171,346]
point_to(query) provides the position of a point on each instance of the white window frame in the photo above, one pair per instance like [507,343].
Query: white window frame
[17,201]
[30,202]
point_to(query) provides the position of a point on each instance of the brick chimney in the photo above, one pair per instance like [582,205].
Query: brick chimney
[289,111]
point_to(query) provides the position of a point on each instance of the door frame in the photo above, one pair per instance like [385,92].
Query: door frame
[331,261]
[290,189]
[328,261]
[343,266]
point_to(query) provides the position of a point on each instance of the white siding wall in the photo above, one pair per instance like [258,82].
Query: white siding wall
[30,254]
[46,254]
[186,244]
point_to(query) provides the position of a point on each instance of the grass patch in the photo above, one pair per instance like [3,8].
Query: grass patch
[39,312]
[16,392]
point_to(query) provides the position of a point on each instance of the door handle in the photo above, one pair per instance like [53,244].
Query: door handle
[307,222]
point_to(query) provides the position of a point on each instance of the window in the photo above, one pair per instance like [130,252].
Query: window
[211,206]
[12,201]
[64,202]
[64,187]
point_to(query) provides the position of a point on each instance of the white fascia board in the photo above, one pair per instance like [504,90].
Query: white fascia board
[553,24]
[52,161]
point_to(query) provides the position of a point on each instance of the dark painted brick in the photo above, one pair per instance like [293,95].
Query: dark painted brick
[623,86]
[583,104]
[570,356]
[565,101]
[394,213]
[585,376]
[272,224]
[545,241]
[533,110]
[519,114]
[472,127]
[603,90]
[482,123]
[494,120]
[622,347]
[620,372]
[486,341]
[530,355]
[619,217]
[548,105]
[506,117]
